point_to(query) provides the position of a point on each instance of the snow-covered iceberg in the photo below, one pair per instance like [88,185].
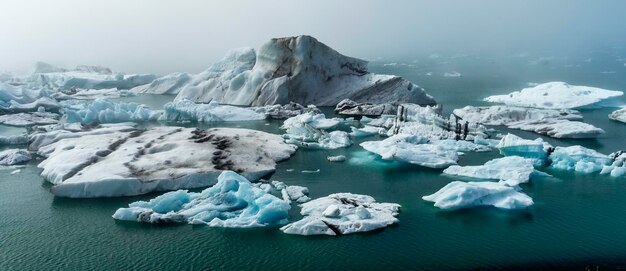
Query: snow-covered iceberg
[233,202]
[122,160]
[618,167]
[343,213]
[106,111]
[84,77]
[14,156]
[537,150]
[579,159]
[618,115]
[188,111]
[297,69]
[458,195]
[512,170]
[412,149]
[558,95]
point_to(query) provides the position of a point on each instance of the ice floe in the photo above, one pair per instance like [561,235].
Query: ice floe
[458,195]
[343,213]
[558,95]
[618,115]
[351,108]
[317,121]
[30,119]
[106,111]
[412,149]
[618,167]
[286,111]
[188,111]
[13,139]
[14,156]
[512,170]
[233,202]
[307,130]
[121,160]
[559,128]
[578,159]
[537,150]
[336,158]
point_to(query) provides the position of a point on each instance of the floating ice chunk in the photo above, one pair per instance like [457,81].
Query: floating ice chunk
[367,131]
[14,156]
[15,171]
[579,159]
[14,139]
[512,145]
[14,99]
[91,94]
[337,158]
[297,193]
[188,111]
[123,161]
[557,95]
[232,203]
[304,135]
[460,146]
[286,111]
[106,111]
[352,108]
[451,74]
[559,128]
[618,115]
[458,195]
[167,85]
[317,121]
[412,149]
[30,119]
[504,115]
[618,167]
[384,121]
[343,213]
[513,170]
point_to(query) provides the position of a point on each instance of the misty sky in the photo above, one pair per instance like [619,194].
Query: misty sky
[166,36]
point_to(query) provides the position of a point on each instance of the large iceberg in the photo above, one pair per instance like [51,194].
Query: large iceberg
[512,170]
[106,111]
[618,115]
[233,202]
[458,195]
[343,213]
[412,149]
[122,160]
[14,156]
[558,95]
[297,69]
[579,159]
[188,111]
[537,150]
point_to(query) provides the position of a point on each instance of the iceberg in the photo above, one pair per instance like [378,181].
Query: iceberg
[336,158]
[14,156]
[512,170]
[460,146]
[91,94]
[618,167]
[316,121]
[618,115]
[579,159]
[351,108]
[30,119]
[558,95]
[167,85]
[366,131]
[308,130]
[412,149]
[459,195]
[504,115]
[343,213]
[14,99]
[106,111]
[297,69]
[286,111]
[559,128]
[537,150]
[121,160]
[188,111]
[233,202]
[14,139]
[292,192]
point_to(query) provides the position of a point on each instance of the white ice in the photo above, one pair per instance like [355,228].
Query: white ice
[343,213]
[14,156]
[512,170]
[618,115]
[558,95]
[412,149]
[579,159]
[537,150]
[188,111]
[618,167]
[106,111]
[458,195]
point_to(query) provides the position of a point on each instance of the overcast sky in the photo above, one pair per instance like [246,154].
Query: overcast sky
[166,36]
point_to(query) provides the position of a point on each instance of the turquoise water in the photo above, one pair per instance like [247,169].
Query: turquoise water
[577,220]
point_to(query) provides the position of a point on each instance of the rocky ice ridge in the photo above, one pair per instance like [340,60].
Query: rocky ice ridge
[512,170]
[459,195]
[558,123]
[233,202]
[349,107]
[343,213]
[14,156]
[558,95]
[296,69]
[120,160]
[412,149]
[83,77]
[618,115]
